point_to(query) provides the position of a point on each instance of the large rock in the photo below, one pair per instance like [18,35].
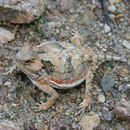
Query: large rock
[90,122]
[20,11]
[5,36]
[8,125]
[122,110]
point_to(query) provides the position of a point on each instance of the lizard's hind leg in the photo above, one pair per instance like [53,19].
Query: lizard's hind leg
[88,96]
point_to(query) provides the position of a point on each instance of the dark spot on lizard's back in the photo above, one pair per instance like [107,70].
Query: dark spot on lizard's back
[68,65]
[41,52]
[48,67]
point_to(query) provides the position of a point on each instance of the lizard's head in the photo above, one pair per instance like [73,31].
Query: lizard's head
[26,53]
[27,59]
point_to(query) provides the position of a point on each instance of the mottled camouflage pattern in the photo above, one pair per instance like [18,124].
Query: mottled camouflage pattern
[61,65]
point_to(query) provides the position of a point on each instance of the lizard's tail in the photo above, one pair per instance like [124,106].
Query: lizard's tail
[104,58]
[114,58]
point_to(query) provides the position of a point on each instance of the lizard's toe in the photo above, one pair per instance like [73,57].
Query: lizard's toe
[40,106]
[83,105]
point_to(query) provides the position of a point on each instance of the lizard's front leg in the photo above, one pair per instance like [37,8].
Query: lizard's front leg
[49,90]
[88,96]
[77,38]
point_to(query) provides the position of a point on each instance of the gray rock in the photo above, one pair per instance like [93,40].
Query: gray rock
[107,83]
[20,11]
[108,116]
[5,36]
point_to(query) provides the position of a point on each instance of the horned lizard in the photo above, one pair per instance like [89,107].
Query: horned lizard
[60,65]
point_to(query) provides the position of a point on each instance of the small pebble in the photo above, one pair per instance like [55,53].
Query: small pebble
[58,126]
[8,83]
[112,8]
[128,36]
[1,82]
[116,1]
[119,16]
[107,28]
[126,44]
[112,16]
[101,98]
[13,104]
[120,88]
[29,126]
[104,110]
[108,116]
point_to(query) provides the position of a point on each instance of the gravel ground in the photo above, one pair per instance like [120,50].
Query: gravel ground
[18,95]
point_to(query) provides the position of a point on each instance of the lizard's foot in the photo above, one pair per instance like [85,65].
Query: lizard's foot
[10,70]
[75,32]
[86,102]
[82,106]
[77,38]
[41,106]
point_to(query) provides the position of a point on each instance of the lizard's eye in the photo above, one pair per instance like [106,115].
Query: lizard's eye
[29,61]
